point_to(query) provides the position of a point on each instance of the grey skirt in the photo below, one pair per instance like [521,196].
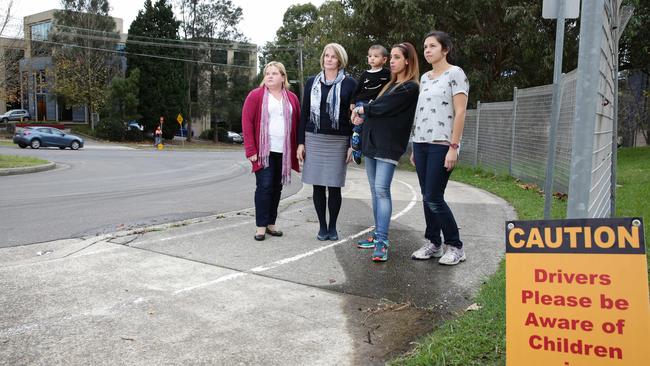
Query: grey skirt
[325,159]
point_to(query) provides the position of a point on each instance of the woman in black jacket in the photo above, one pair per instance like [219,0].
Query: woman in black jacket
[385,136]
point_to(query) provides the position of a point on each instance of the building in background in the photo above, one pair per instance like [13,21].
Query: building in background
[214,86]
[35,95]
[26,63]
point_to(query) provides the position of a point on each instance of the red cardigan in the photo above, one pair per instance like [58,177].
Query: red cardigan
[251,116]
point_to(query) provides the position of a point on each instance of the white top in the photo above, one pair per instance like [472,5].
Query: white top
[434,114]
[276,124]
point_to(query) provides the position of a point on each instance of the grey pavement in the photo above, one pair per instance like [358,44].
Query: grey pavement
[202,291]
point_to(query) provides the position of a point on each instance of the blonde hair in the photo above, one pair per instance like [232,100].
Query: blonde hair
[280,68]
[340,53]
[412,67]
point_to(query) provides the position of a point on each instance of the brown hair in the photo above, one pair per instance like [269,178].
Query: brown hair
[412,67]
[445,41]
[380,48]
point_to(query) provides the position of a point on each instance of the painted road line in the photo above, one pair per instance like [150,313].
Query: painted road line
[295,258]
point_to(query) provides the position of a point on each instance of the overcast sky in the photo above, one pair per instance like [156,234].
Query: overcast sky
[261,18]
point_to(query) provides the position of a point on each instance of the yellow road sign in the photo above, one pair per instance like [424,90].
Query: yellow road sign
[576,292]
[179,118]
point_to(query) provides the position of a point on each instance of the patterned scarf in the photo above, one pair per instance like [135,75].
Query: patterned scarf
[265,146]
[333,99]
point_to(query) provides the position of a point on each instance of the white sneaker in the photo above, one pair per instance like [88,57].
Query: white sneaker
[453,256]
[428,251]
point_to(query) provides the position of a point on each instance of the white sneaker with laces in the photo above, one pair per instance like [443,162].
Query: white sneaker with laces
[428,251]
[453,256]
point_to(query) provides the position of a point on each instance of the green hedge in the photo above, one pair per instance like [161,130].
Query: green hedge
[110,129]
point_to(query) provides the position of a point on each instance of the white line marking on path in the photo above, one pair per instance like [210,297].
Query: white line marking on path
[205,231]
[284,261]
[194,233]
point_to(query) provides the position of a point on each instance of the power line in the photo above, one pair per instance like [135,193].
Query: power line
[145,55]
[288,43]
[230,43]
[146,43]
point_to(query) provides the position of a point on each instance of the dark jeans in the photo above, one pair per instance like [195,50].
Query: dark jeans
[433,177]
[268,191]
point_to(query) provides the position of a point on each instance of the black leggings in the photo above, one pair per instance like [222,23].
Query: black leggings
[333,202]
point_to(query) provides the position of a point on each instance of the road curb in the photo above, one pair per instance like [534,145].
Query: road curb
[28,169]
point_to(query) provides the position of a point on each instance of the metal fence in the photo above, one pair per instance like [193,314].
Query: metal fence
[592,190]
[512,137]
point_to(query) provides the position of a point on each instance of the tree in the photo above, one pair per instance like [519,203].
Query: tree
[213,26]
[162,83]
[634,49]
[4,20]
[634,62]
[84,53]
[297,24]
[310,28]
[499,44]
[123,97]
[10,55]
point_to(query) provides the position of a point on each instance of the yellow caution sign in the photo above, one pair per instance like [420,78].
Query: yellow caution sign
[576,292]
[179,118]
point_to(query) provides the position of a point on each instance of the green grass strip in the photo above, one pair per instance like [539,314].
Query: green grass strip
[478,337]
[13,161]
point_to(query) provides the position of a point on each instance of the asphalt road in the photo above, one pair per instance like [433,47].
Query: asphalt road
[104,188]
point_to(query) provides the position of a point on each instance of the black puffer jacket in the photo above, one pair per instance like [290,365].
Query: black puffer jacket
[389,120]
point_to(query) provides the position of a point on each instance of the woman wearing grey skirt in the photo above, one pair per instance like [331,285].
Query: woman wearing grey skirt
[324,136]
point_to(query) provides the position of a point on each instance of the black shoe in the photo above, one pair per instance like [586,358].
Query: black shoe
[333,235]
[322,235]
[260,237]
[273,232]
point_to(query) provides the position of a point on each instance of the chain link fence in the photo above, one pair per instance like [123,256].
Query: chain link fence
[512,137]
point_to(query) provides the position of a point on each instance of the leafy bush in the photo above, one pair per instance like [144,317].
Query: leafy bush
[83,130]
[134,135]
[110,129]
[169,130]
[222,134]
[207,134]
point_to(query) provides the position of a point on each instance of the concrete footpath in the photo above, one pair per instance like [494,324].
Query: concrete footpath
[203,292]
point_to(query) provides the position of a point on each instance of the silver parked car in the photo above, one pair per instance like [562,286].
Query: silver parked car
[15,115]
[36,137]
[234,137]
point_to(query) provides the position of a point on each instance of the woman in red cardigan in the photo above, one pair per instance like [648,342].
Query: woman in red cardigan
[269,122]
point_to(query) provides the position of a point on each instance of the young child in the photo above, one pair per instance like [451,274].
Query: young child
[369,85]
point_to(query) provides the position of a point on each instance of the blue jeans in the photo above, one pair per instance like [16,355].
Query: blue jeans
[268,191]
[433,177]
[380,176]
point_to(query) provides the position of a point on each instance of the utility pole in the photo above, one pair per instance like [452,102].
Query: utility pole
[555,112]
[301,78]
